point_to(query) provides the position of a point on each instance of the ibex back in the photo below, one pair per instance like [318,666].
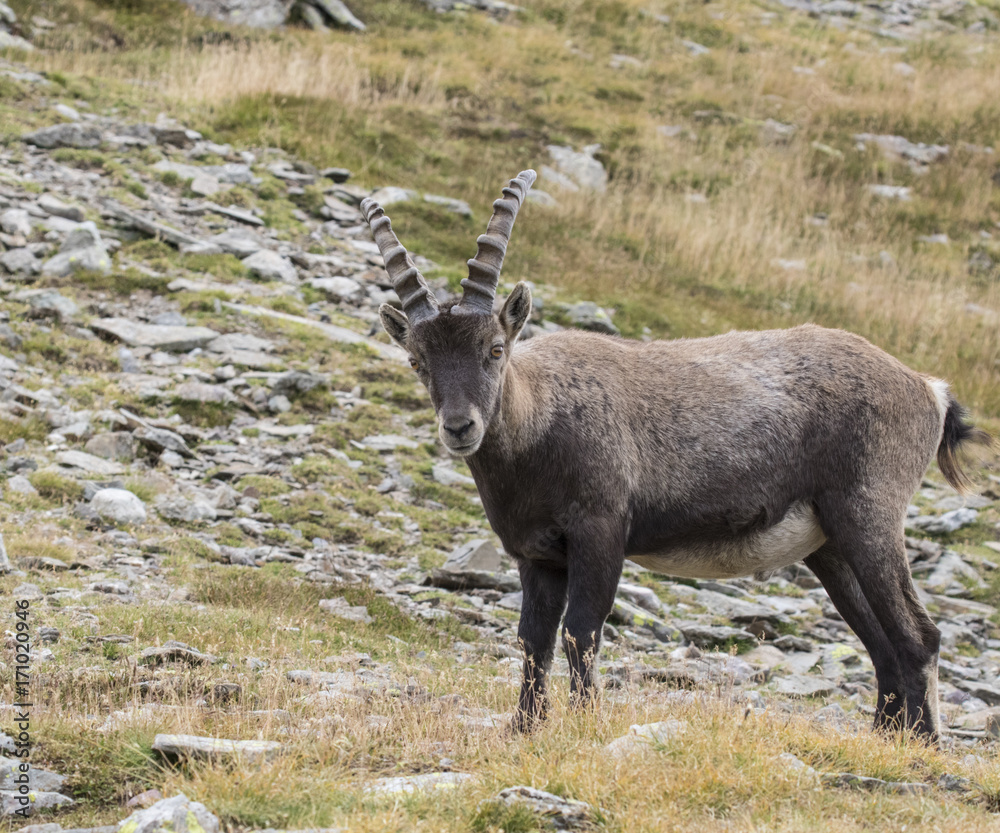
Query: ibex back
[714,457]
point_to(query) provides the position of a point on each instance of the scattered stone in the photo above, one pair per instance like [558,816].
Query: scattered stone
[216,749]
[641,738]
[50,204]
[88,463]
[588,316]
[171,815]
[343,609]
[477,555]
[710,636]
[68,135]
[851,781]
[409,784]
[174,651]
[270,266]
[561,813]
[170,339]
[119,506]
[943,524]
[82,251]
[581,168]
[798,685]
[112,445]
[38,779]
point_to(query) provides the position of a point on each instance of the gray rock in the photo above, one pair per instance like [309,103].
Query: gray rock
[339,288]
[70,135]
[293,382]
[642,596]
[179,508]
[478,554]
[134,219]
[474,579]
[342,609]
[390,195]
[47,303]
[162,440]
[171,815]
[20,262]
[270,266]
[21,485]
[798,685]
[14,803]
[15,221]
[5,567]
[88,462]
[898,148]
[643,737]
[170,339]
[708,636]
[409,784]
[81,251]
[943,524]
[588,316]
[449,204]
[205,185]
[9,41]
[205,393]
[446,476]
[580,167]
[174,651]
[863,782]
[119,506]
[57,208]
[216,749]
[891,192]
[561,813]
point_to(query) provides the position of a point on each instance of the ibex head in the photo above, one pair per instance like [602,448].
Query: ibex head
[459,353]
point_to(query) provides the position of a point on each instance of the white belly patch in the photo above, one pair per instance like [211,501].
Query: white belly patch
[793,538]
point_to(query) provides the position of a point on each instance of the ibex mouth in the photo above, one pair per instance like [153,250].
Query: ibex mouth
[464,450]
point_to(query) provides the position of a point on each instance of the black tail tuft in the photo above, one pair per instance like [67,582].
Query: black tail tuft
[957,432]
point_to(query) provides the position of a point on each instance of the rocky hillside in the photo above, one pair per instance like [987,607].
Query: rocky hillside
[257,594]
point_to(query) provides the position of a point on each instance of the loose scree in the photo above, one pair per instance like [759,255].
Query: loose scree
[705,458]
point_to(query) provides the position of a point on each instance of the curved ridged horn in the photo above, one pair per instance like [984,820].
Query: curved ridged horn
[419,303]
[480,288]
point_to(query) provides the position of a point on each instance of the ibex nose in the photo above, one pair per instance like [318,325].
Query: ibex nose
[458,426]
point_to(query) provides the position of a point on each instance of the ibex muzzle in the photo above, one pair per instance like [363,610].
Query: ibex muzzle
[715,457]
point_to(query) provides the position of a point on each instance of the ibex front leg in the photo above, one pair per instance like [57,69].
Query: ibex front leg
[542,606]
[595,566]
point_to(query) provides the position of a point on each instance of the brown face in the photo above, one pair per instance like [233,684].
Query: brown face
[461,358]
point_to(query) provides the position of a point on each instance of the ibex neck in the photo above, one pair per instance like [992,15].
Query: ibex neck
[523,413]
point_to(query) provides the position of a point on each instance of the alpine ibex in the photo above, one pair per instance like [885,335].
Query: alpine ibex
[704,458]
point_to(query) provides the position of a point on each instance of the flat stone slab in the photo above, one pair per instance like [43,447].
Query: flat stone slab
[798,685]
[89,463]
[171,339]
[409,784]
[12,802]
[194,746]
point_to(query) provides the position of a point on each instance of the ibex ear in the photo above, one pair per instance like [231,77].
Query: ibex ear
[516,310]
[396,324]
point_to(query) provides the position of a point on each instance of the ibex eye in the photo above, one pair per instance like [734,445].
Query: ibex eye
[497,351]
[414,364]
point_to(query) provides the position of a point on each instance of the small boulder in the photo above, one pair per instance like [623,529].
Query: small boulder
[119,506]
[270,266]
[81,251]
[69,135]
[171,815]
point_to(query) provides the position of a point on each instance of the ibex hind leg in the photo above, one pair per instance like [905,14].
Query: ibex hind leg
[842,586]
[905,653]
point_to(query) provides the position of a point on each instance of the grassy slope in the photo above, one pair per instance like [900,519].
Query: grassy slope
[456,104]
